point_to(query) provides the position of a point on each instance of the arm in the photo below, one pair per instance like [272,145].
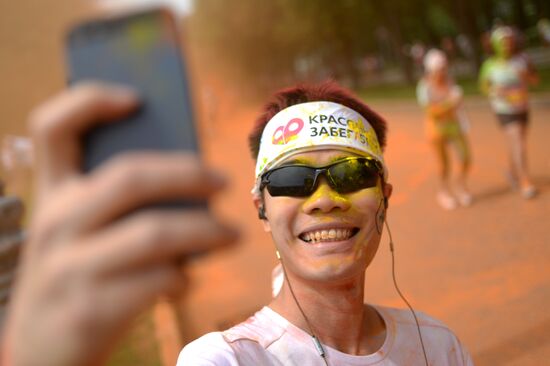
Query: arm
[92,262]
[531,74]
[447,106]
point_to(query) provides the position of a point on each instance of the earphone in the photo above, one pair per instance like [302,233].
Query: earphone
[313,335]
[392,252]
[381,214]
[261,212]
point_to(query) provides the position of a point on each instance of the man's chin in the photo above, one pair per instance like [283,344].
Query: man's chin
[333,269]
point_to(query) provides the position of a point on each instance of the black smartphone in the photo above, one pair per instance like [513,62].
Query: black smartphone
[140,50]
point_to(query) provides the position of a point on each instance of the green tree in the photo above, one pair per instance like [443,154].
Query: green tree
[271,43]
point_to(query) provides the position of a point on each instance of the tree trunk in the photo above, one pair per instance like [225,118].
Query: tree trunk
[396,38]
[542,8]
[520,17]
[466,16]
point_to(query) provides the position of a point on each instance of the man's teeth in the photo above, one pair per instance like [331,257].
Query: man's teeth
[327,235]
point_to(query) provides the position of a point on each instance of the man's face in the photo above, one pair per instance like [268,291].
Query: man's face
[327,236]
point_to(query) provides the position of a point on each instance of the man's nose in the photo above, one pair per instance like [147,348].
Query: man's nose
[325,200]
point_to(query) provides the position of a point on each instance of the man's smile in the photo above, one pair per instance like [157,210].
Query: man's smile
[328,233]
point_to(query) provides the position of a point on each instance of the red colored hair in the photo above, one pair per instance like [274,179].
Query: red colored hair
[328,91]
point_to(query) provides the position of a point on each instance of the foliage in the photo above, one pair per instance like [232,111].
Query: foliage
[275,42]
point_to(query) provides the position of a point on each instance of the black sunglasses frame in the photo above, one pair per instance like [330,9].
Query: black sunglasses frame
[324,170]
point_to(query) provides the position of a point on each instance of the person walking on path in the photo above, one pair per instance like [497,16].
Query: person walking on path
[445,127]
[505,78]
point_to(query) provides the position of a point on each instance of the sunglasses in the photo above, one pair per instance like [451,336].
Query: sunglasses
[344,176]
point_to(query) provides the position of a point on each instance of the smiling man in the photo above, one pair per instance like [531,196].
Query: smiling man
[321,191]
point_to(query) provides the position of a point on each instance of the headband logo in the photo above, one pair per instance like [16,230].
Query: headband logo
[288,132]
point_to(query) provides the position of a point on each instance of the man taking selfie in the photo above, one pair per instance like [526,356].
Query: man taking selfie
[321,191]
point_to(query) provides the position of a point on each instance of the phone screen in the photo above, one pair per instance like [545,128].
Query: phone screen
[139,50]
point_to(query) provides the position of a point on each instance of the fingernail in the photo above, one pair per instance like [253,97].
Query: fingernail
[125,94]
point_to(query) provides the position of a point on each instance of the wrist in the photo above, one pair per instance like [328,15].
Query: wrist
[5,354]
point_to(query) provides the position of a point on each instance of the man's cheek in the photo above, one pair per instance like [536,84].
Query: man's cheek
[368,198]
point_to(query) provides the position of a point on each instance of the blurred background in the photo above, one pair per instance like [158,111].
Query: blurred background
[484,270]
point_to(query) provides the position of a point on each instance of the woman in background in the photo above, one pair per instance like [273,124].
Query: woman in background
[505,78]
[445,126]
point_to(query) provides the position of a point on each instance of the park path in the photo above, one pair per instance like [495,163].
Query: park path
[483,270]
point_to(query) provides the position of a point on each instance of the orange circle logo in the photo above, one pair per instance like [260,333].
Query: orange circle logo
[288,132]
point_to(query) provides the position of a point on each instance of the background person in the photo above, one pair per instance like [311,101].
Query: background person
[321,192]
[442,99]
[543,27]
[505,78]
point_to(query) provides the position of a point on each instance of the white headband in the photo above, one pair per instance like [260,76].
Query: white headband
[315,126]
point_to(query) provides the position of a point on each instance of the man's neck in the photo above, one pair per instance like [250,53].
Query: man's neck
[336,314]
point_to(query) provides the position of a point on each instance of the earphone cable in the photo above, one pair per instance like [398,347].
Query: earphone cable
[316,341]
[401,295]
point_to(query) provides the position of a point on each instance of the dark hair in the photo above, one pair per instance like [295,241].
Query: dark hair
[328,91]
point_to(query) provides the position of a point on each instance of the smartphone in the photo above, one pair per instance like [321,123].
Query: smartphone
[140,50]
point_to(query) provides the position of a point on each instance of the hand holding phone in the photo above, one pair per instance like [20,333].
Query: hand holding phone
[89,267]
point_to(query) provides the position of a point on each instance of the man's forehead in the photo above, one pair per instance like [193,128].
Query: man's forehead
[315,126]
[318,157]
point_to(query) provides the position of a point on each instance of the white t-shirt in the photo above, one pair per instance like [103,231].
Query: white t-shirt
[506,77]
[427,95]
[269,339]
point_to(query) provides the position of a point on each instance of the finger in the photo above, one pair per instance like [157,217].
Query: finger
[125,183]
[10,246]
[11,213]
[154,237]
[134,180]
[123,297]
[57,125]
[101,311]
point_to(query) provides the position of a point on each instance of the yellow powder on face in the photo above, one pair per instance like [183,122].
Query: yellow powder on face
[374,194]
[334,263]
[327,191]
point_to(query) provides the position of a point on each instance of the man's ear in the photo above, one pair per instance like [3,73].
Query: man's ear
[387,191]
[260,208]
